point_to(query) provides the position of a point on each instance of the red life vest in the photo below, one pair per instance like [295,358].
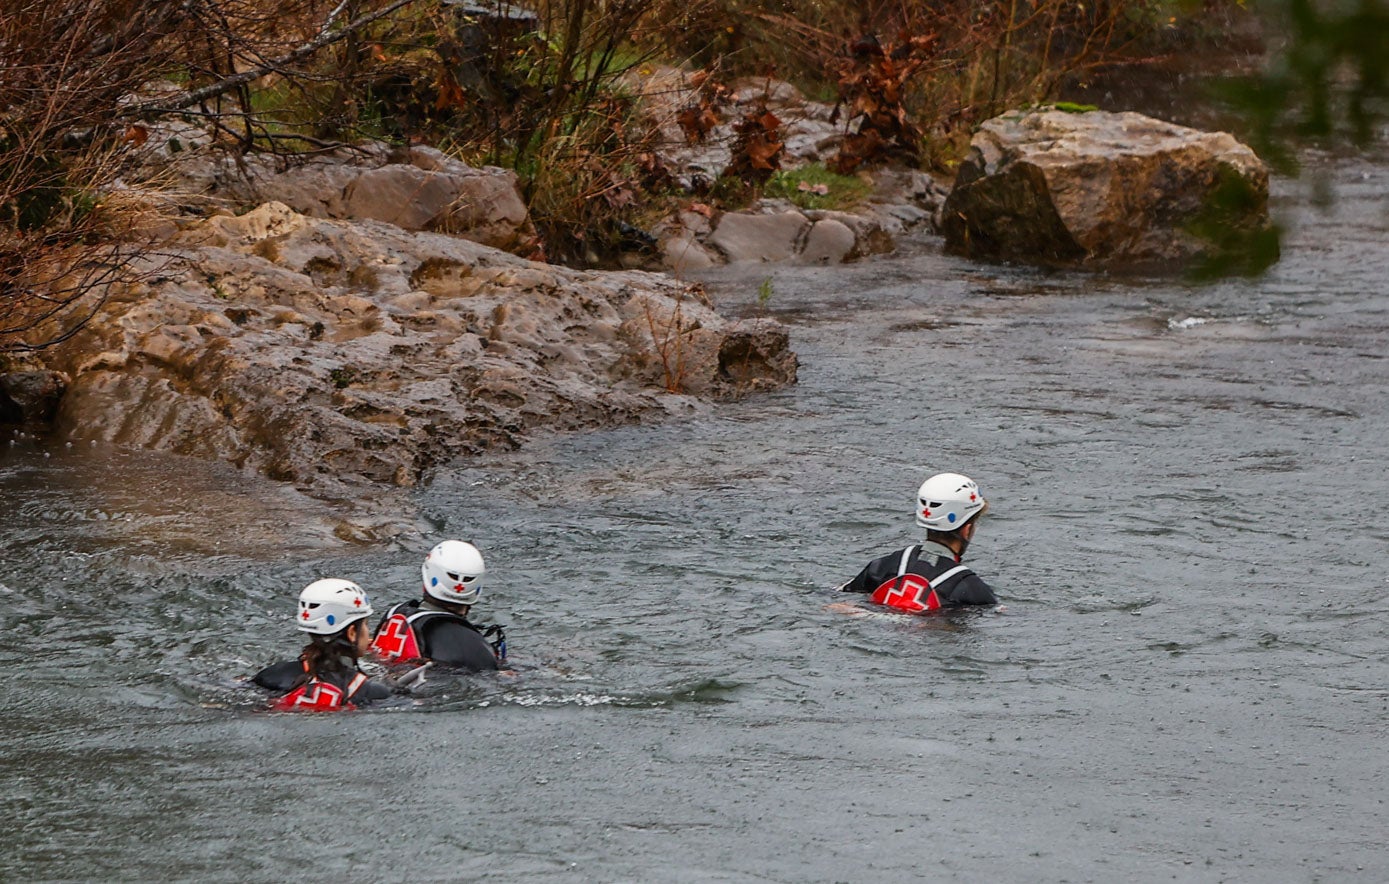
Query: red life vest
[905,593]
[399,638]
[320,696]
[396,642]
[911,592]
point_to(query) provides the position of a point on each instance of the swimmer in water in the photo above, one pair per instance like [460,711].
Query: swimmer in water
[326,676]
[928,576]
[435,627]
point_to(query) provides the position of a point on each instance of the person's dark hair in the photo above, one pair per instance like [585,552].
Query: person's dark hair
[323,655]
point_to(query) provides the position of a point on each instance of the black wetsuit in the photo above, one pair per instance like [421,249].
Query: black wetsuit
[346,688]
[921,578]
[416,630]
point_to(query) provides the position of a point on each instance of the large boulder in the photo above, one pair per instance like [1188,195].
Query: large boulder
[325,353]
[433,191]
[1114,191]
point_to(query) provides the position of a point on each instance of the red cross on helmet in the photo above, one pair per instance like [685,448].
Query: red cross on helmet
[946,501]
[453,572]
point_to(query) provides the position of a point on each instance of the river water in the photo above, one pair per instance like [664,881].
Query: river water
[1188,680]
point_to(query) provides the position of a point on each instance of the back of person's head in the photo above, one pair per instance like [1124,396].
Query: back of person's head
[326,609]
[452,573]
[947,502]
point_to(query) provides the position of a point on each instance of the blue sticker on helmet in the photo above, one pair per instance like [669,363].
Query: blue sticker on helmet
[434,581]
[330,619]
[950,517]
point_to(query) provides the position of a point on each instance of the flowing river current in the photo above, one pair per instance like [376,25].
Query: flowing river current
[1188,680]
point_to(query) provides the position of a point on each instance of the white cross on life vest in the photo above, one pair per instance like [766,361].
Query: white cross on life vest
[907,596]
[318,695]
[394,641]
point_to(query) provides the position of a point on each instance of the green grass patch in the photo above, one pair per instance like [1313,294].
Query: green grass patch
[815,187]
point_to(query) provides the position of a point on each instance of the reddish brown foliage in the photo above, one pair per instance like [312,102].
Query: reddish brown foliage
[696,120]
[873,84]
[701,115]
[758,148]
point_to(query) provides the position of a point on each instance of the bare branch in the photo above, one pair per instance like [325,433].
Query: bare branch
[333,17]
[236,81]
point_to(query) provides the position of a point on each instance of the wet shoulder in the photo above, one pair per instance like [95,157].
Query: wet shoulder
[452,642]
[971,589]
[875,572]
[279,677]
[371,691]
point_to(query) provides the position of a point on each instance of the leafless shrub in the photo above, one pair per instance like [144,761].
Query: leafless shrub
[547,98]
[68,71]
[668,335]
[66,65]
[273,75]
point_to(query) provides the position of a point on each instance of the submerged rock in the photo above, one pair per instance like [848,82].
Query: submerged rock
[1107,191]
[322,352]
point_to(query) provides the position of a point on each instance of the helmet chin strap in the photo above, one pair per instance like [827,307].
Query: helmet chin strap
[964,541]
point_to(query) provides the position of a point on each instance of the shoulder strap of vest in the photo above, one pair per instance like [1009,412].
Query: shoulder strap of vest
[425,615]
[354,686]
[939,579]
[908,556]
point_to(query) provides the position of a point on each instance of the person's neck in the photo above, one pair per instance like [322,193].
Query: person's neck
[956,545]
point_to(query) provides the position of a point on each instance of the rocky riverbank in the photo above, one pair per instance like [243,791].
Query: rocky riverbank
[364,315]
[327,353]
[365,323]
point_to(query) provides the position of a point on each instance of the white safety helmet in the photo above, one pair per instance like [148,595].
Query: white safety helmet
[453,572]
[947,501]
[329,606]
